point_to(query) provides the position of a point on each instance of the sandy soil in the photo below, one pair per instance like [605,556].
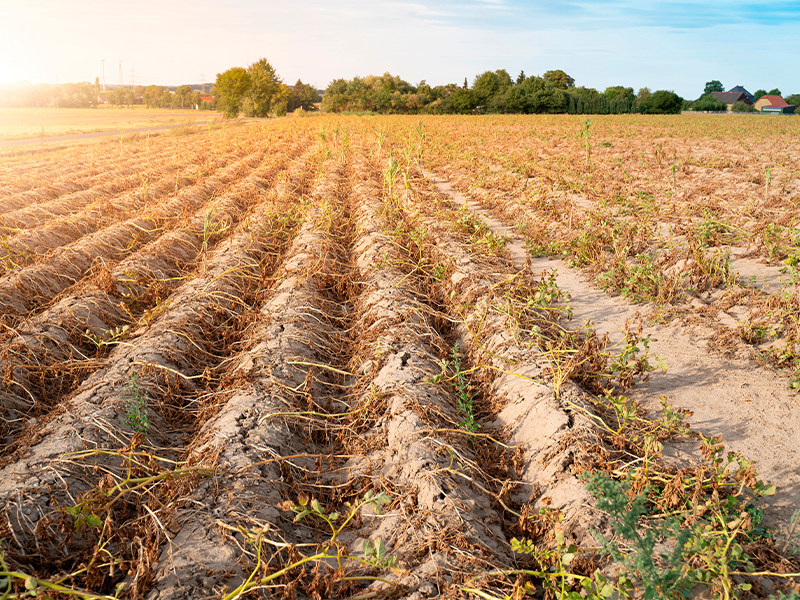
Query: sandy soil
[749,406]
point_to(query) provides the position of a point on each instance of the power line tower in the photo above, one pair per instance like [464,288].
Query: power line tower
[103,62]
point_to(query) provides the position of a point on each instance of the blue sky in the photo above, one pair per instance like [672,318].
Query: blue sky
[665,44]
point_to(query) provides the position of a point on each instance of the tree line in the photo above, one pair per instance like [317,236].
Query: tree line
[258,91]
[493,92]
[88,95]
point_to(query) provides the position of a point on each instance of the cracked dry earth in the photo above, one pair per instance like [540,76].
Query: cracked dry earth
[255,363]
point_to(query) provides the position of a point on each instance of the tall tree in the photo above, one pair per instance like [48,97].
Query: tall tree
[662,102]
[183,97]
[490,84]
[775,92]
[231,87]
[759,93]
[303,96]
[535,95]
[265,87]
[713,86]
[620,98]
[559,79]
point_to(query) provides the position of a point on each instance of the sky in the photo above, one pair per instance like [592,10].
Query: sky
[663,44]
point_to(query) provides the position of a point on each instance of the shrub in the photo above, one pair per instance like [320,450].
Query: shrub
[708,102]
[743,107]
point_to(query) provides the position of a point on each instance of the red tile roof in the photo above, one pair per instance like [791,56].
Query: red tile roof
[775,101]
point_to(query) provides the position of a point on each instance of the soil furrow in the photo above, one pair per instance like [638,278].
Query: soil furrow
[164,364]
[48,354]
[251,419]
[23,290]
[445,526]
[32,211]
[103,160]
[493,317]
[738,399]
[29,245]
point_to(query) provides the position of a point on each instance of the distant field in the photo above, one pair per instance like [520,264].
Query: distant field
[32,122]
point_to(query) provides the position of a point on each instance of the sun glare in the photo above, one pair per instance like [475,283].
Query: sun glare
[6,74]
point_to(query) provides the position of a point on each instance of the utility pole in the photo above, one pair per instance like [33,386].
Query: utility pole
[103,62]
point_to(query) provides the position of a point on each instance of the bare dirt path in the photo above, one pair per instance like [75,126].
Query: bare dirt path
[750,407]
[74,137]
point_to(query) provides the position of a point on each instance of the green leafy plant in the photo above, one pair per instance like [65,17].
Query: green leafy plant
[460,384]
[137,416]
[375,554]
[661,574]
[389,177]
[34,587]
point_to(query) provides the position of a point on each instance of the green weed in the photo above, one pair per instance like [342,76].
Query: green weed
[137,416]
[458,380]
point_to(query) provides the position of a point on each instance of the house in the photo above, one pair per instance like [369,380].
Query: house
[751,99]
[732,97]
[774,104]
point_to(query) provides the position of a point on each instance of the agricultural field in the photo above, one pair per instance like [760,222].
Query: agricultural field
[18,123]
[402,357]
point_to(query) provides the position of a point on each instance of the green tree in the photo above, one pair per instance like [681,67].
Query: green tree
[231,88]
[76,95]
[118,96]
[265,88]
[461,101]
[620,99]
[662,102]
[183,97]
[793,99]
[774,92]
[535,95]
[152,96]
[713,86]
[520,77]
[336,96]
[559,79]
[166,98]
[583,100]
[707,102]
[759,93]
[489,87]
[302,96]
